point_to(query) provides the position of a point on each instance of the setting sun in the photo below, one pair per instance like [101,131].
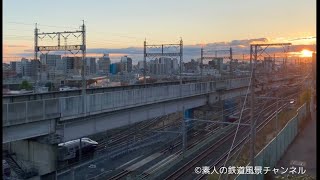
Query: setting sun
[306,53]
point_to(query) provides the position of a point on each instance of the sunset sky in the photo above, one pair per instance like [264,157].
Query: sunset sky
[120,26]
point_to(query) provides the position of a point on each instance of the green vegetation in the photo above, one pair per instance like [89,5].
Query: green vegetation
[25,85]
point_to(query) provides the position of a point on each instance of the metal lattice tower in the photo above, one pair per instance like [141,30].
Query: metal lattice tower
[260,49]
[74,47]
[255,49]
[163,53]
[210,57]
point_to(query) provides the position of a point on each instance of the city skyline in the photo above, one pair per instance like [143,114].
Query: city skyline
[124,27]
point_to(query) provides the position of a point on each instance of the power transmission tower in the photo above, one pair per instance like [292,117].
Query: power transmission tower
[167,50]
[204,55]
[254,50]
[252,124]
[75,47]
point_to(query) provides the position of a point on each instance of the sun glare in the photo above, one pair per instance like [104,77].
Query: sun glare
[306,53]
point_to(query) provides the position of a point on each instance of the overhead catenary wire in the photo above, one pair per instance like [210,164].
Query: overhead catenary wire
[256,119]
[239,118]
[248,140]
[240,150]
[29,24]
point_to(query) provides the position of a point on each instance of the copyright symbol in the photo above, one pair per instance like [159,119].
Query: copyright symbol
[197,170]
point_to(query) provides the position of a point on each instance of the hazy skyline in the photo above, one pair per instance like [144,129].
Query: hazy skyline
[117,25]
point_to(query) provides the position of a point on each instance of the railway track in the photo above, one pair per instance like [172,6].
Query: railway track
[195,136]
[218,162]
[118,140]
[244,140]
[188,166]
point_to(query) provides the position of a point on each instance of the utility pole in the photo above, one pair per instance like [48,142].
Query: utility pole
[84,83]
[163,53]
[231,65]
[144,61]
[181,60]
[222,115]
[75,47]
[277,126]
[253,60]
[201,65]
[252,129]
[36,52]
[183,132]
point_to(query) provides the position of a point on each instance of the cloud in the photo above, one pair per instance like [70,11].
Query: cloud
[16,46]
[303,38]
[239,47]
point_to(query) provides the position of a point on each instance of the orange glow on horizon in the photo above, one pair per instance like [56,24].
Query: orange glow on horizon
[306,53]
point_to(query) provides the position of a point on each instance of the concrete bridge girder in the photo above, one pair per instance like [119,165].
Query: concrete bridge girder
[28,130]
[40,112]
[77,129]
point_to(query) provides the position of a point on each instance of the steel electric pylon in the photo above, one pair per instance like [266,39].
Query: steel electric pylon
[74,47]
[210,57]
[254,56]
[163,53]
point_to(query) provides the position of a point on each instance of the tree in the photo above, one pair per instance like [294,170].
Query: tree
[25,85]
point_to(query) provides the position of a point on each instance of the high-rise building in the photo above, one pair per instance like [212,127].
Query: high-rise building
[7,72]
[126,64]
[91,64]
[113,68]
[104,64]
[50,60]
[129,64]
[168,65]
[141,65]
[61,65]
[35,69]
[216,63]
[25,67]
[72,65]
[192,66]
[162,66]
[77,66]
[16,66]
[175,64]
[69,64]
[157,67]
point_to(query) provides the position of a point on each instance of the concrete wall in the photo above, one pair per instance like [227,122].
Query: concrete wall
[33,118]
[100,123]
[42,156]
[72,106]
[28,130]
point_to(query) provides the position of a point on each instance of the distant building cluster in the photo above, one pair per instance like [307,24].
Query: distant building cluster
[124,66]
[60,70]
[66,71]
[163,66]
